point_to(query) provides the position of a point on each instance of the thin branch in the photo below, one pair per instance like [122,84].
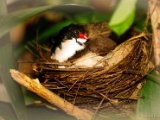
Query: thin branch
[50,96]
[154,10]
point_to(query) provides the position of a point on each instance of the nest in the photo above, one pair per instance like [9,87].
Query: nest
[112,89]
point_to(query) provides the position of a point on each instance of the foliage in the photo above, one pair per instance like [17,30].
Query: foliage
[7,62]
[123,16]
[148,107]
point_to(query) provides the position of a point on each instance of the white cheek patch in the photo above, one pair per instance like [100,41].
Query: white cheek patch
[81,40]
[68,49]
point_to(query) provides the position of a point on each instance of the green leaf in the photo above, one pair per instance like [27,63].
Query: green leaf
[123,17]
[13,89]
[148,107]
[53,30]
[84,18]
[3,9]
[13,19]
[7,62]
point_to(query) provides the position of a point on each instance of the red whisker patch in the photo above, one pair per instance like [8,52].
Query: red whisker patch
[83,36]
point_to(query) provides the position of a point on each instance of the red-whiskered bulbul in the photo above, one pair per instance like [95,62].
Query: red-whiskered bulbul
[78,40]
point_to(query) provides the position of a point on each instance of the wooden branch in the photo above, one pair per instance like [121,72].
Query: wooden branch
[50,96]
[154,11]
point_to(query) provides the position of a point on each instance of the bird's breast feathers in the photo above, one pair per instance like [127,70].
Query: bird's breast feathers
[68,49]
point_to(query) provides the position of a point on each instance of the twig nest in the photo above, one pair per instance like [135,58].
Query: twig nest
[113,87]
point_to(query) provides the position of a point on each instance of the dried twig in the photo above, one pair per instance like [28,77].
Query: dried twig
[154,10]
[50,96]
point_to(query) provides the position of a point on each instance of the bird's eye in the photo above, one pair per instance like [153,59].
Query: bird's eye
[75,34]
[75,31]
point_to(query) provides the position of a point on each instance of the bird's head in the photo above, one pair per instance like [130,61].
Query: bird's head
[73,32]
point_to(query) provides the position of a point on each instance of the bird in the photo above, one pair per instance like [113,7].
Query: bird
[83,44]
